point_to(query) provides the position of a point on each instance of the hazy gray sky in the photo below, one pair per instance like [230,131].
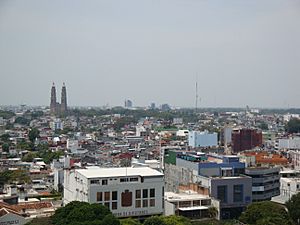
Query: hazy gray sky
[243,52]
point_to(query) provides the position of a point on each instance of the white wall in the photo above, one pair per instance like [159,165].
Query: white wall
[11,218]
[82,190]
[202,139]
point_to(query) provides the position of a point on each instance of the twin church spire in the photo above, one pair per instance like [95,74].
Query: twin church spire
[55,107]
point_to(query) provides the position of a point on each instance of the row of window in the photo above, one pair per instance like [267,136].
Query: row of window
[107,196]
[146,203]
[103,182]
[146,193]
[138,204]
[122,180]
[238,193]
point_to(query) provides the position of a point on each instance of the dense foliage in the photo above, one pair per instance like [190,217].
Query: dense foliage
[6,114]
[33,134]
[265,213]
[167,220]
[13,176]
[293,126]
[22,121]
[82,213]
[293,206]
[46,155]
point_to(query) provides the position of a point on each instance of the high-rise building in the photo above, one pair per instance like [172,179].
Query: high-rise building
[128,103]
[55,107]
[246,139]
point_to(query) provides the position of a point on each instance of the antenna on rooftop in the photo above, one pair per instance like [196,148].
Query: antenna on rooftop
[196,99]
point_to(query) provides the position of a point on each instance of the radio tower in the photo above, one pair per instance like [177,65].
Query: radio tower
[196,103]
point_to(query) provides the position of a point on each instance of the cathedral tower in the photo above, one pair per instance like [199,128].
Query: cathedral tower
[53,99]
[63,105]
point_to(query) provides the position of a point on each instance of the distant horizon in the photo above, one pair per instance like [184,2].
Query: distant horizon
[157,107]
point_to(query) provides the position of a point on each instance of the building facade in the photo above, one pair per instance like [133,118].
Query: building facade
[246,139]
[294,157]
[55,107]
[219,177]
[202,139]
[127,192]
[265,182]
[189,204]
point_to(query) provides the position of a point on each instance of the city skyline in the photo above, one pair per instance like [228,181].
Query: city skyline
[240,53]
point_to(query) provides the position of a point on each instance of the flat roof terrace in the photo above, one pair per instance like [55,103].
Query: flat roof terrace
[119,172]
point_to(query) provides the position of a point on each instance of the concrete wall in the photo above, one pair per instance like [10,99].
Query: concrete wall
[230,182]
[202,139]
[81,189]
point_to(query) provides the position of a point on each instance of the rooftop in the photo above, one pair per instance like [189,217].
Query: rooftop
[171,196]
[119,172]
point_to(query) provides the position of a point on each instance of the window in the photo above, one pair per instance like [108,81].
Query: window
[196,203]
[184,204]
[95,182]
[238,193]
[104,182]
[137,194]
[107,196]
[114,205]
[123,180]
[145,193]
[107,204]
[145,203]
[114,195]
[137,203]
[152,202]
[134,179]
[222,193]
[99,196]
[206,202]
[152,193]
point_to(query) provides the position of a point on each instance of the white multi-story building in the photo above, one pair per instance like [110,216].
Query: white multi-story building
[57,124]
[127,192]
[189,204]
[294,157]
[289,143]
[202,139]
[289,186]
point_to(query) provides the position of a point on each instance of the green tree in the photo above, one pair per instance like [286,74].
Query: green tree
[6,114]
[130,221]
[293,126]
[22,121]
[110,220]
[29,157]
[262,213]
[212,212]
[81,213]
[293,206]
[167,220]
[13,176]
[5,137]
[154,220]
[5,147]
[176,220]
[33,134]
[263,126]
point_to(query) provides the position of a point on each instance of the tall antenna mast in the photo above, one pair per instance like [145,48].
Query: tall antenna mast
[196,103]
